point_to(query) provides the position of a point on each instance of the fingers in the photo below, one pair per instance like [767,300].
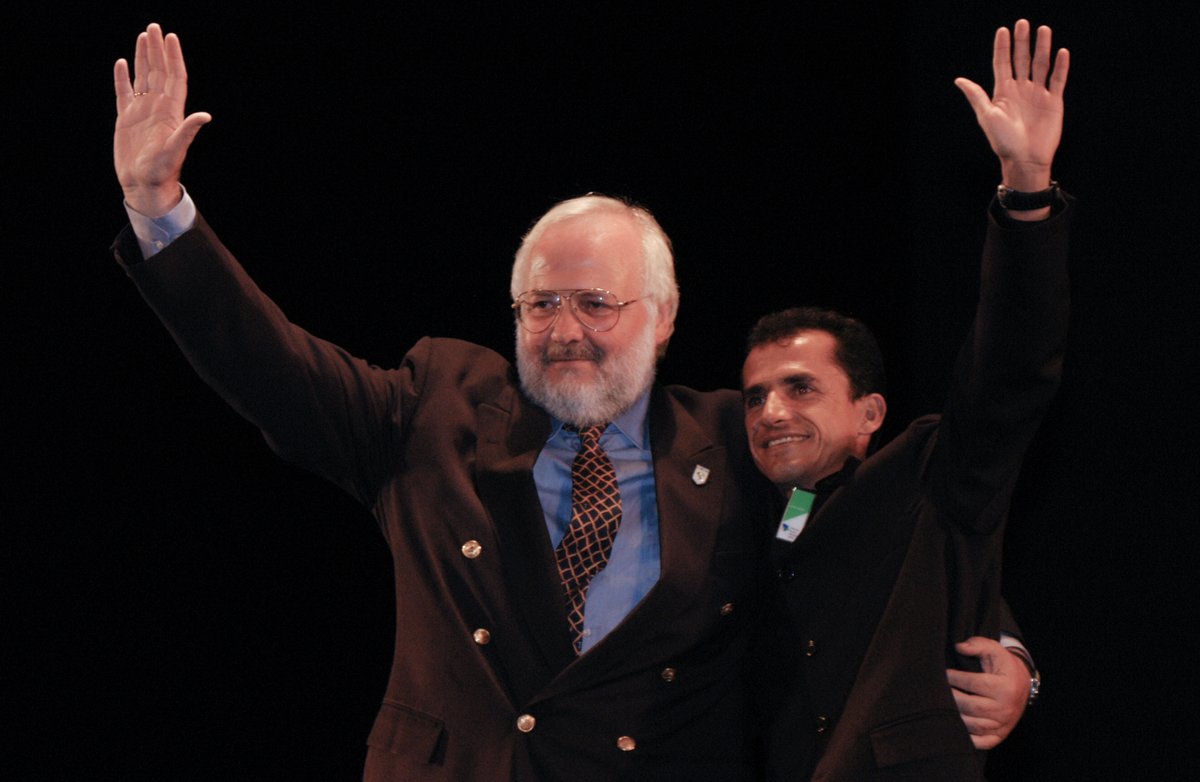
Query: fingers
[988,650]
[970,683]
[121,86]
[1020,62]
[1013,57]
[979,726]
[158,68]
[1041,56]
[990,703]
[976,643]
[158,64]
[141,66]
[175,84]
[155,59]
[982,699]
[1001,57]
[999,693]
[982,738]
[971,646]
[1058,79]
[965,703]
[985,732]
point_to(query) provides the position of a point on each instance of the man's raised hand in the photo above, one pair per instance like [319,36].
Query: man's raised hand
[1023,118]
[152,134]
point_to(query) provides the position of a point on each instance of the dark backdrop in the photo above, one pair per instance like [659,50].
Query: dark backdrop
[184,606]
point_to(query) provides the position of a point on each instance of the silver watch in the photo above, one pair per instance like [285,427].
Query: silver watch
[1035,685]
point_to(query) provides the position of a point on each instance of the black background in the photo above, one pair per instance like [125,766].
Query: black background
[184,606]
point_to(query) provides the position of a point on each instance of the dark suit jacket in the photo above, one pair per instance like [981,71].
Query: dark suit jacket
[485,684]
[902,558]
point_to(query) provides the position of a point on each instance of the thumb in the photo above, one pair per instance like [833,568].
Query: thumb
[182,138]
[983,648]
[975,95]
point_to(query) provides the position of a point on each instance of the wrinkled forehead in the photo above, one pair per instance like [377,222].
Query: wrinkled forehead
[596,250]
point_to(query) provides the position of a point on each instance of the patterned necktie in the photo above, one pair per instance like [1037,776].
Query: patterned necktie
[595,517]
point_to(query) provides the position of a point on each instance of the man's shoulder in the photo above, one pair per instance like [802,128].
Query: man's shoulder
[918,436]
[722,402]
[443,362]
[457,351]
[719,413]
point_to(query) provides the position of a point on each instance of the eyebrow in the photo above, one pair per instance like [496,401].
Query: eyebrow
[789,380]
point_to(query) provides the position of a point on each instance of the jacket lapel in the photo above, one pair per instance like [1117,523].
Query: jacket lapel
[691,479]
[512,433]
[689,504]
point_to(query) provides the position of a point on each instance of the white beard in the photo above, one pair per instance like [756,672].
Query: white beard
[622,378]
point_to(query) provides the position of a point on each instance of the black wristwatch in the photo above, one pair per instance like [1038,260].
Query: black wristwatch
[1020,201]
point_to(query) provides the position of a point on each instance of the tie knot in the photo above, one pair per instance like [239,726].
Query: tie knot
[590,435]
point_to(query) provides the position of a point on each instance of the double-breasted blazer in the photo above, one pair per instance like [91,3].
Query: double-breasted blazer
[485,684]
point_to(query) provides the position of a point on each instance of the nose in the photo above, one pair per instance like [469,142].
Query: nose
[774,409]
[566,327]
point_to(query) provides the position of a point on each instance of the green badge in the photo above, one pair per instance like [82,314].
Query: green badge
[795,515]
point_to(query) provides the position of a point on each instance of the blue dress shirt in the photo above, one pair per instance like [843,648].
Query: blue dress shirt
[633,565]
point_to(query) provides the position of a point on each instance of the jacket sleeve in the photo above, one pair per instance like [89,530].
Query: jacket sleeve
[316,405]
[1007,370]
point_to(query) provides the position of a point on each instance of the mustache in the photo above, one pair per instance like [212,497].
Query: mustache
[577,352]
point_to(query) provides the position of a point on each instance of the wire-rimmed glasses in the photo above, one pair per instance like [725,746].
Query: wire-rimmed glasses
[595,308]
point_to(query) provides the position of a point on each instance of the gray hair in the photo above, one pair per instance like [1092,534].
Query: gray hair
[658,260]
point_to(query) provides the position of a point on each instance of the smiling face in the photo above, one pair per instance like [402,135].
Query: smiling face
[582,376]
[801,417]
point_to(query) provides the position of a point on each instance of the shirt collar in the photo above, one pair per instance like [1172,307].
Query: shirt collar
[831,482]
[631,424]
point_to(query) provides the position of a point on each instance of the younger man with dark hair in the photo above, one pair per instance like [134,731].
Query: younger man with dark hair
[886,562]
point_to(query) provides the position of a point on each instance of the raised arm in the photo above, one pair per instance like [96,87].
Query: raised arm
[1023,118]
[152,134]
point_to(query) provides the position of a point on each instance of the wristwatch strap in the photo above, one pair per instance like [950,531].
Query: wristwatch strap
[1020,201]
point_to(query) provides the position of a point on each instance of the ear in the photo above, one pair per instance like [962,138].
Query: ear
[664,327]
[874,408]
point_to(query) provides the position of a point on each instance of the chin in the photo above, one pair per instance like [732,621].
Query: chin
[581,396]
[571,372]
[784,476]
[592,392]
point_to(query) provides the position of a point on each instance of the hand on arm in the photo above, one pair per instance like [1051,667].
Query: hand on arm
[1023,117]
[990,703]
[152,134]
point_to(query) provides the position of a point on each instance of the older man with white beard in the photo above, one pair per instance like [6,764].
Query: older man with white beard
[581,374]
[576,549]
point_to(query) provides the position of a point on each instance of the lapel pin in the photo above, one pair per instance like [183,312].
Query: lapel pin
[700,475]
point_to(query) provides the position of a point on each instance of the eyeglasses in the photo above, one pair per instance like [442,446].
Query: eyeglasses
[596,308]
